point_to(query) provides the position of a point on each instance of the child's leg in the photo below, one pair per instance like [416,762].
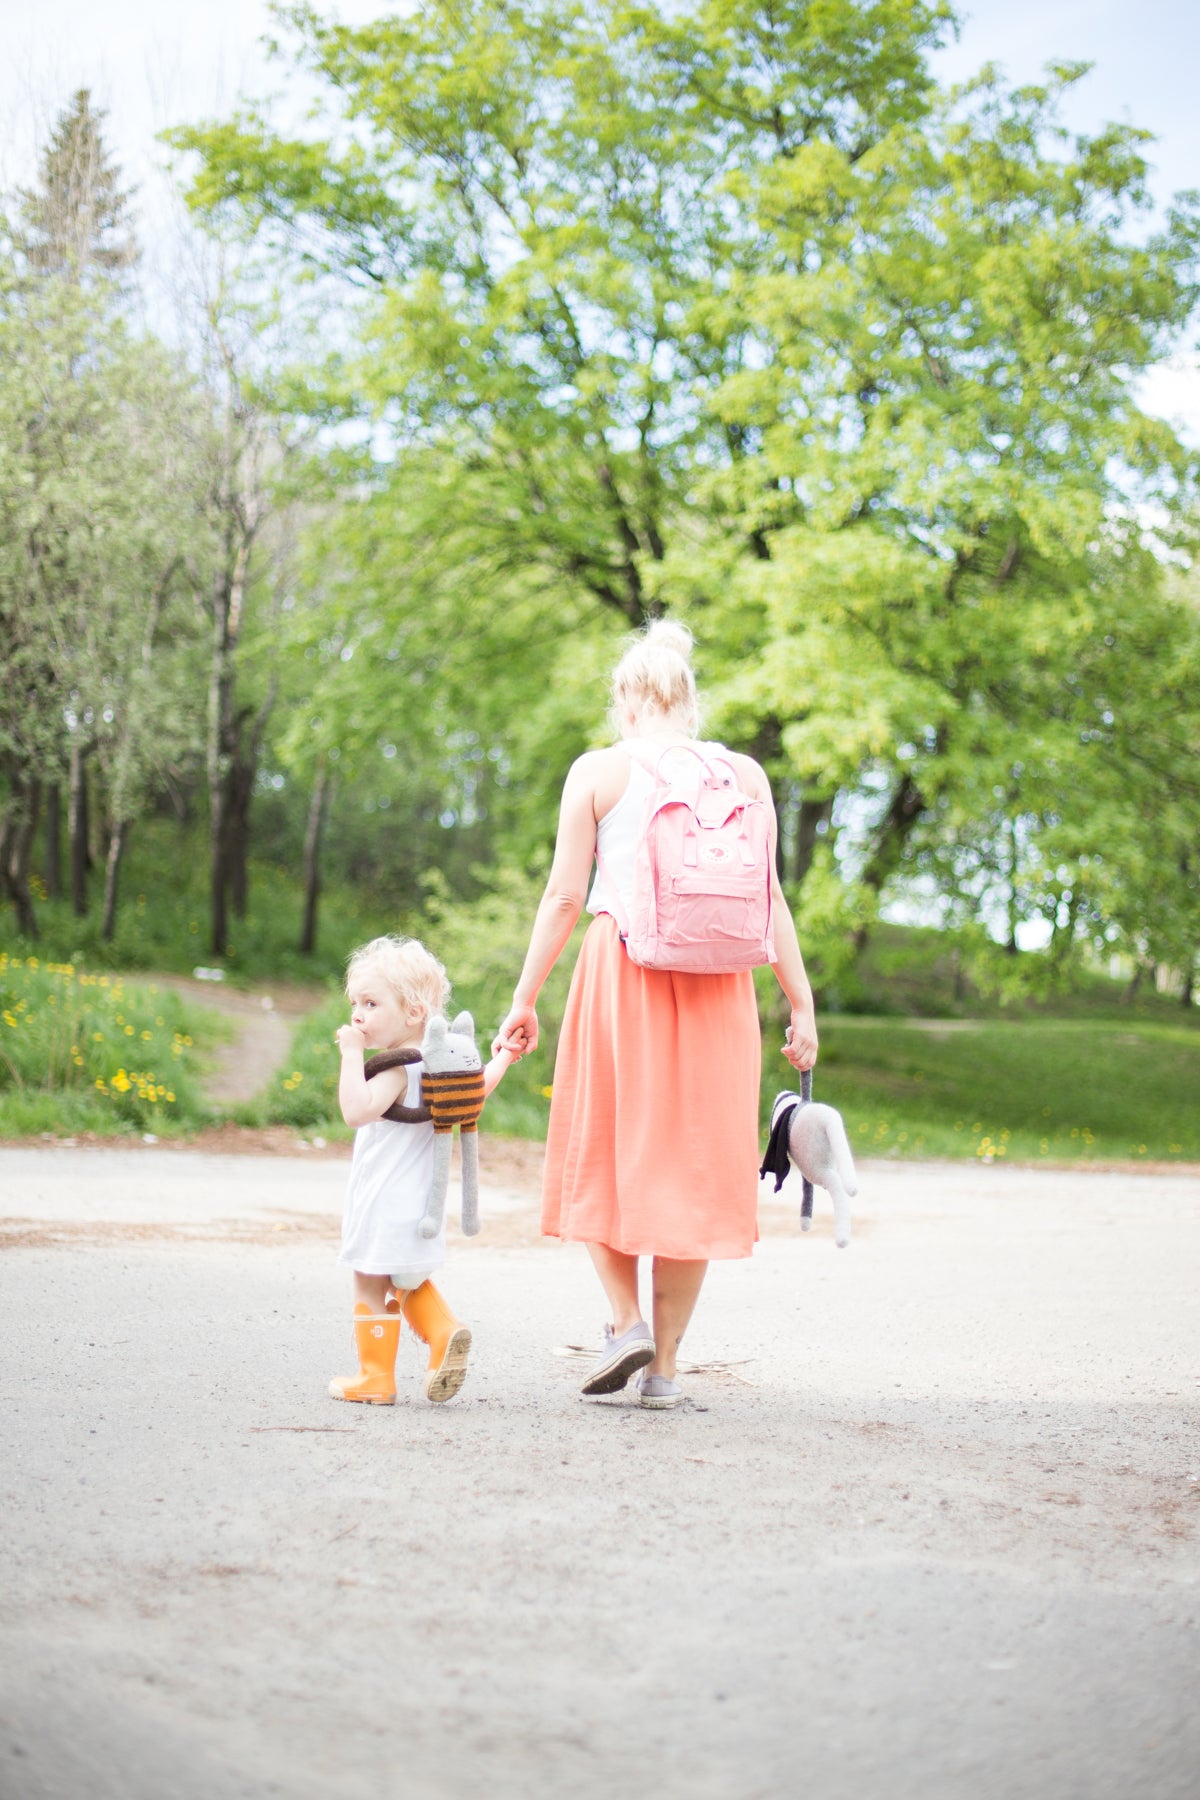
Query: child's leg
[376,1338]
[449,1342]
[371,1290]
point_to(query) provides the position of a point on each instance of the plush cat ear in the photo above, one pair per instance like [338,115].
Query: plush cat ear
[436,1029]
[464,1025]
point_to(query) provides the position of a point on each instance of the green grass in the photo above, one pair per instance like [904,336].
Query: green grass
[1030,1090]
[915,972]
[1033,1089]
[1077,1075]
[84,1050]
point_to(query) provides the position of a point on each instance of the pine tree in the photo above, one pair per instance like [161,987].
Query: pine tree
[77,220]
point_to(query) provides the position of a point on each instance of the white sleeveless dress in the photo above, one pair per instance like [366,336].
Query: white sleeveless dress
[391,1176]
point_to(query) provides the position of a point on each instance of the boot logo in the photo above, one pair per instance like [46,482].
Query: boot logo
[377,1331]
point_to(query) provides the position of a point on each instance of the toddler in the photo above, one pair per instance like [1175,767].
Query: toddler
[394,984]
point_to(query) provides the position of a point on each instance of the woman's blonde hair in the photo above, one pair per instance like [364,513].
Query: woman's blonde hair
[655,675]
[414,975]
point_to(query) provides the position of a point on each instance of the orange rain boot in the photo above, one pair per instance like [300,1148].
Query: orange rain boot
[449,1342]
[377,1337]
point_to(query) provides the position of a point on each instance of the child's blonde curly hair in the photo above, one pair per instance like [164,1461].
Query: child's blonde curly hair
[412,973]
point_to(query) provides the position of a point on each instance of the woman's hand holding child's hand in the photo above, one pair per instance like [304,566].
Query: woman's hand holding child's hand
[518,1033]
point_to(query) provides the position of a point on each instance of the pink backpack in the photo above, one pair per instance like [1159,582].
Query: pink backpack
[702,872]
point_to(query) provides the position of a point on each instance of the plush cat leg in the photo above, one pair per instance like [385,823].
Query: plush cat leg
[435,1209]
[468,1143]
[819,1148]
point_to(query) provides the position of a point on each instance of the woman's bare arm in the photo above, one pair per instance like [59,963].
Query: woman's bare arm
[561,903]
[788,967]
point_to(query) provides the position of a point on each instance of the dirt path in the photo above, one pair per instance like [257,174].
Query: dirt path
[265,1018]
[927,1527]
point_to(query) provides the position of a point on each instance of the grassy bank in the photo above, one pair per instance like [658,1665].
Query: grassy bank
[920,1062]
[84,1050]
[1037,1089]
[1031,1089]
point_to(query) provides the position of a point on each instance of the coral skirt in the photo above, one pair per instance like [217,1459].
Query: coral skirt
[653,1141]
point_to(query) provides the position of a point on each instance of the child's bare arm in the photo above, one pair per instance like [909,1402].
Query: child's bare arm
[363,1101]
[494,1071]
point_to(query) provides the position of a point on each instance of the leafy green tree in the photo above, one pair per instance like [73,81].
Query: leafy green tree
[732,311]
[76,223]
[955,485]
[100,512]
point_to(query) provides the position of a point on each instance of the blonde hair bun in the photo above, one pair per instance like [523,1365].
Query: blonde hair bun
[654,677]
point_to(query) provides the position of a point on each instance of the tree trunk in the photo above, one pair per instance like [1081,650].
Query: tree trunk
[1135,982]
[241,785]
[228,594]
[16,844]
[218,917]
[812,814]
[907,805]
[1188,993]
[118,837]
[77,828]
[1011,945]
[53,867]
[312,859]
[242,775]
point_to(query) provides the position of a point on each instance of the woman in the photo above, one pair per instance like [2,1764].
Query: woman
[652,1147]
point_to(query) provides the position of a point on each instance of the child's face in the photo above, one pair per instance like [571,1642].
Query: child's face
[385,1022]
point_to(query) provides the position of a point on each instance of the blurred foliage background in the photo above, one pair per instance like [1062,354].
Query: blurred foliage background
[548,320]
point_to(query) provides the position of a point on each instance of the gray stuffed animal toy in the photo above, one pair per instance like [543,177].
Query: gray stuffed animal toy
[453,1090]
[813,1138]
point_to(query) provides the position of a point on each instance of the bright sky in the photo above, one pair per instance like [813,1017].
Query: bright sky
[152,65]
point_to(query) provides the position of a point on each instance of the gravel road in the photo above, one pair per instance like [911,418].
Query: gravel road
[927,1527]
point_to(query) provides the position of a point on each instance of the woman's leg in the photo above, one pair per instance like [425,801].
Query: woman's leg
[619,1278]
[676,1290]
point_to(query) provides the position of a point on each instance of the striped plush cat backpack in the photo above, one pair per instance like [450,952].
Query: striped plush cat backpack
[452,1093]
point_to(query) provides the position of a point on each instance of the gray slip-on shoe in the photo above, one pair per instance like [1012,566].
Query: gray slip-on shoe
[620,1358]
[657,1391]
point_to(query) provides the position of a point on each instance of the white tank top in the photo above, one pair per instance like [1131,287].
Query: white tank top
[618,833]
[616,841]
